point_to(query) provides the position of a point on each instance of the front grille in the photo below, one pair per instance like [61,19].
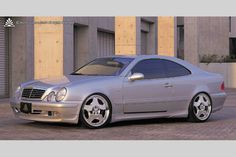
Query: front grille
[32,93]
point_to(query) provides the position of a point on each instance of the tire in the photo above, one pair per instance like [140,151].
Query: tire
[200,108]
[96,111]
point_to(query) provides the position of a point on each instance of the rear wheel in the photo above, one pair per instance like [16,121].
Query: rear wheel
[200,108]
[95,111]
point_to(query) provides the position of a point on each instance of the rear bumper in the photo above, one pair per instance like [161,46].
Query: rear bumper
[218,100]
[66,112]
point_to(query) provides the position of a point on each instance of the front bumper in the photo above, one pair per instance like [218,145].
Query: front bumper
[66,112]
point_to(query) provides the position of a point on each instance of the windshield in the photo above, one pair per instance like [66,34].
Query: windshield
[104,66]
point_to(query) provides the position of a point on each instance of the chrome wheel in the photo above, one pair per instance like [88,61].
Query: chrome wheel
[202,106]
[95,111]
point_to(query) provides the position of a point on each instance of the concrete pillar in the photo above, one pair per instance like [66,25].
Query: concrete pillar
[213,35]
[125,36]
[48,47]
[166,36]
[21,52]
[191,40]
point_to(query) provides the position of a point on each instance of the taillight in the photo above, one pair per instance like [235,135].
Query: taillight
[222,87]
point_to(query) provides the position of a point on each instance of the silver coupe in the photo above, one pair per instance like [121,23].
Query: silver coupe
[118,88]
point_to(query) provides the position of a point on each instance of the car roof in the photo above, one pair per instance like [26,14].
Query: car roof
[136,56]
[140,57]
[189,66]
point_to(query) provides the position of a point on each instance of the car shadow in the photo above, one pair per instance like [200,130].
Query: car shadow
[116,124]
[51,125]
[121,123]
[148,122]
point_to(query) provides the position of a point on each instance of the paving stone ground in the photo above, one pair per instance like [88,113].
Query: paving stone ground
[220,126]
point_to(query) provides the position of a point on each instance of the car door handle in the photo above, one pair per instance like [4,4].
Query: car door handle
[168,85]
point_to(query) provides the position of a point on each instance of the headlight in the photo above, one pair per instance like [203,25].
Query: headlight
[51,96]
[61,94]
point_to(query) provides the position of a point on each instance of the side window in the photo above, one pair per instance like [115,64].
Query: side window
[150,68]
[175,69]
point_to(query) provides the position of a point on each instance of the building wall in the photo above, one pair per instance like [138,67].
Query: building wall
[88,47]
[21,63]
[49,50]
[205,35]
[191,40]
[213,33]
[232,27]
[135,35]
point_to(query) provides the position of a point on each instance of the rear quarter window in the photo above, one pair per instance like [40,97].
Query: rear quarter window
[174,69]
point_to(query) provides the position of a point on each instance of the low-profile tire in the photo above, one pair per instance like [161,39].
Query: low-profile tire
[200,108]
[96,111]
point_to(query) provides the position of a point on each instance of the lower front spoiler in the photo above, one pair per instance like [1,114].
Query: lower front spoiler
[65,112]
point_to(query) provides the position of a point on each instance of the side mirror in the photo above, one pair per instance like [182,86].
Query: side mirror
[136,76]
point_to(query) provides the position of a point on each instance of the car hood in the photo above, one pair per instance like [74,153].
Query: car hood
[61,81]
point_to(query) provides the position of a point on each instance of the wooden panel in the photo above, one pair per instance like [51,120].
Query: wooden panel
[125,37]
[166,36]
[48,47]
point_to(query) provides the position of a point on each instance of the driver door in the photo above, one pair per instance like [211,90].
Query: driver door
[150,94]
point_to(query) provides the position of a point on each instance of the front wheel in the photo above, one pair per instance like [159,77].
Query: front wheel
[200,108]
[95,111]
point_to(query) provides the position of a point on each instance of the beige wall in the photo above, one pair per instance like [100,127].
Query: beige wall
[48,48]
[166,35]
[125,35]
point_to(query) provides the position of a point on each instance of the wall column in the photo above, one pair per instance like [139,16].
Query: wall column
[48,48]
[125,36]
[166,36]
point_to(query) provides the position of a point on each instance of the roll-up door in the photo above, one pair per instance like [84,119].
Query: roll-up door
[3,61]
[106,43]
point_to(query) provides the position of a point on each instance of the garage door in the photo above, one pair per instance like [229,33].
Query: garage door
[3,62]
[106,43]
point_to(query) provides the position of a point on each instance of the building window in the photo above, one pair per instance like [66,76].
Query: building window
[144,42]
[180,37]
[232,46]
[147,37]
[180,42]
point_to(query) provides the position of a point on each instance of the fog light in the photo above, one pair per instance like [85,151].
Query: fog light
[52,113]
